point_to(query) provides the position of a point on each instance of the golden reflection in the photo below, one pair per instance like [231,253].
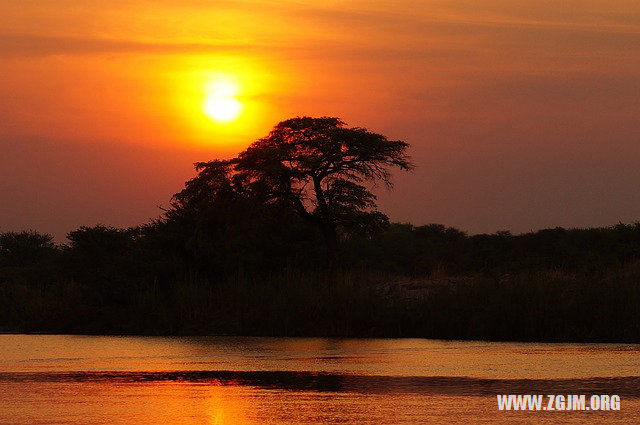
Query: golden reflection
[228,404]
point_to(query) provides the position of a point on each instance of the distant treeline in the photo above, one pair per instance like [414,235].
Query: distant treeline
[257,270]
[286,239]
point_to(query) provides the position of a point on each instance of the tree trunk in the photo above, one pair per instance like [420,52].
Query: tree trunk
[327,225]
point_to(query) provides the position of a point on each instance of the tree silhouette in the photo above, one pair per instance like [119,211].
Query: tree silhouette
[315,166]
[24,248]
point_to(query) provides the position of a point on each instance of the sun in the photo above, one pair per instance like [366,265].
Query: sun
[220,102]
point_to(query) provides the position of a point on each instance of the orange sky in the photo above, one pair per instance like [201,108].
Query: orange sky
[520,114]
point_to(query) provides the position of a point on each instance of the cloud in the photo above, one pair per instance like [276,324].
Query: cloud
[15,45]
[415,15]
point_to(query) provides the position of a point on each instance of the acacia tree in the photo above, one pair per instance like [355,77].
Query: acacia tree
[316,166]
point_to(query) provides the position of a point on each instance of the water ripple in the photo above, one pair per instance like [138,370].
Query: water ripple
[628,386]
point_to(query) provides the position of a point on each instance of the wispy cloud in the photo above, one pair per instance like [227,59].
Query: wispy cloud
[16,45]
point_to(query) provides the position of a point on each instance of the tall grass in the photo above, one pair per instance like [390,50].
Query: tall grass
[536,305]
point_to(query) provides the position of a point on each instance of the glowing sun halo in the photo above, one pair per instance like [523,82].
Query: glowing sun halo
[220,103]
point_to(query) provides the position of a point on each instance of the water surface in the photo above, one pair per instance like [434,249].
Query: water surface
[237,380]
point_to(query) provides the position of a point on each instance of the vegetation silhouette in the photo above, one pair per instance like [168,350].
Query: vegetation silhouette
[246,248]
[314,167]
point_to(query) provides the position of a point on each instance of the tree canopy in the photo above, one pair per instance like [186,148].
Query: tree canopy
[316,167]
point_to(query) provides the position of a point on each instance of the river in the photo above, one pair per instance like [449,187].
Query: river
[62,379]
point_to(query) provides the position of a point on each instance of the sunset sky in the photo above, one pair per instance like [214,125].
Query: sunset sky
[521,115]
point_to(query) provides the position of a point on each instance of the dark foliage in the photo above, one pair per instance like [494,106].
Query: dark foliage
[253,274]
[243,250]
[313,167]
